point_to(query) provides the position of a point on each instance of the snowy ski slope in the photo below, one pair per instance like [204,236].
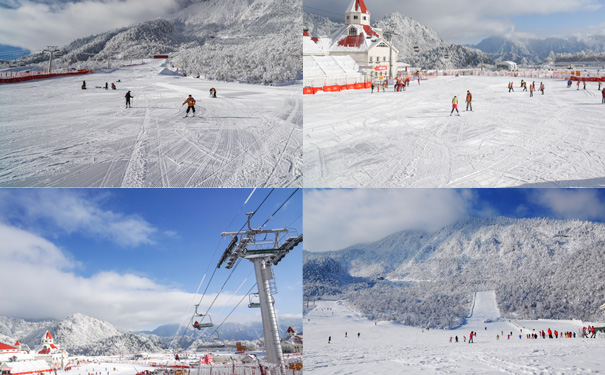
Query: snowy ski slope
[388,139]
[390,348]
[54,134]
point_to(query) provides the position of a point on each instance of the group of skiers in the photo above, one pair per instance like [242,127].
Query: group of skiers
[590,331]
[190,101]
[469,105]
[471,336]
[346,336]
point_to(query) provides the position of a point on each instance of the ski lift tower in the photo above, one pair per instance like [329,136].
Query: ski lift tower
[264,248]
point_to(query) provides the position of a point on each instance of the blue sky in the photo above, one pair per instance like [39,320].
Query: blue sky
[335,219]
[135,257]
[470,21]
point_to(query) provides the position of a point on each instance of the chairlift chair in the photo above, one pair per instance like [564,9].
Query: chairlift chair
[198,325]
[254,301]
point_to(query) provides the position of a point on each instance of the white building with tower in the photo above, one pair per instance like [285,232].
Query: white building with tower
[51,353]
[357,38]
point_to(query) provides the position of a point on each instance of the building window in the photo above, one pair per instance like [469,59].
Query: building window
[384,58]
[348,17]
[364,18]
[352,31]
[355,17]
[370,59]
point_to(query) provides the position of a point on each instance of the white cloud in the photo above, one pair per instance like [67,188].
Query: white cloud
[583,204]
[42,286]
[335,219]
[35,25]
[70,211]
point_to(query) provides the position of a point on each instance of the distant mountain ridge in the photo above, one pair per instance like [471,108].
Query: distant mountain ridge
[85,335]
[540,268]
[535,51]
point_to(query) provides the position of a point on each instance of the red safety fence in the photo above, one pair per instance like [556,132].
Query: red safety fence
[12,77]
[588,79]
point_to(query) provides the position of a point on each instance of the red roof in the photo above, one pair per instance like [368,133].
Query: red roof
[352,40]
[360,5]
[48,336]
[44,351]
[6,347]
[290,329]
[370,31]
[17,343]
[306,33]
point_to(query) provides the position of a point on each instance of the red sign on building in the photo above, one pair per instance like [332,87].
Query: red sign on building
[381,68]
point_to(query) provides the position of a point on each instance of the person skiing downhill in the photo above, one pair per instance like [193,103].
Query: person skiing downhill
[469,98]
[531,91]
[190,105]
[128,96]
[455,106]
[213,92]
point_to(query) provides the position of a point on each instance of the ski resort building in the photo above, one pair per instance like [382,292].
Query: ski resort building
[357,39]
[507,65]
[51,353]
[15,361]
[292,343]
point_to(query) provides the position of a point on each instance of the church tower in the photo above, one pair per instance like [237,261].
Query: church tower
[357,13]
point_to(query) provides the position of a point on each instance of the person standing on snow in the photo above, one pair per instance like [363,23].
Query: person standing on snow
[190,105]
[469,98]
[84,85]
[455,106]
[128,96]
[329,339]
[603,102]
[213,92]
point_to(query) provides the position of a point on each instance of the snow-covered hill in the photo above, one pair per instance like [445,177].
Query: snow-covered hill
[78,334]
[235,40]
[533,51]
[540,268]
[382,347]
[85,335]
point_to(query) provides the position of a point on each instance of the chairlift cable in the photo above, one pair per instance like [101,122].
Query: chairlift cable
[286,201]
[227,317]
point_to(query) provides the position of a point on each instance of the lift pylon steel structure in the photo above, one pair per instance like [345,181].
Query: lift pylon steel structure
[264,254]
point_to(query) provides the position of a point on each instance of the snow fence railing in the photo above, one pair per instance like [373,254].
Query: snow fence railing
[13,77]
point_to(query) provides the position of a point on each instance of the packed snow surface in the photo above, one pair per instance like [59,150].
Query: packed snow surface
[408,139]
[54,134]
[391,348]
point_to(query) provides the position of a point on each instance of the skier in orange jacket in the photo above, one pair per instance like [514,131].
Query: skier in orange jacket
[190,105]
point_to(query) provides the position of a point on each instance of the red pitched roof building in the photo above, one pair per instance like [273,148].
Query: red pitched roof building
[358,39]
[51,353]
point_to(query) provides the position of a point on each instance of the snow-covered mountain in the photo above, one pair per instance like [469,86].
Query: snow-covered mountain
[78,334]
[227,331]
[533,51]
[236,40]
[85,335]
[540,268]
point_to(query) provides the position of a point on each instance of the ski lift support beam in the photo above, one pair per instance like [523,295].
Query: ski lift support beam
[263,255]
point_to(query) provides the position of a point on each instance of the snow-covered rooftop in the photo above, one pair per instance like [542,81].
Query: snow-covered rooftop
[358,6]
